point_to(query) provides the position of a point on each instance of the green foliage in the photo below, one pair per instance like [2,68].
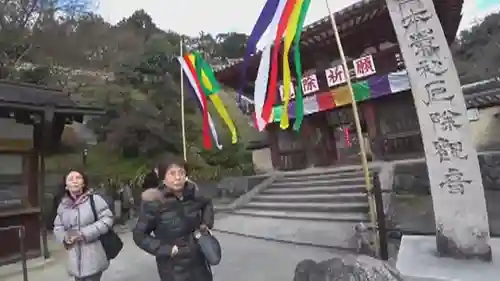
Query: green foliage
[142,98]
[39,75]
[232,45]
[477,50]
[102,164]
[131,70]
[145,121]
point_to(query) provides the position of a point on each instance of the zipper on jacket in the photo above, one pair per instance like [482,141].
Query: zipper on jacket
[78,247]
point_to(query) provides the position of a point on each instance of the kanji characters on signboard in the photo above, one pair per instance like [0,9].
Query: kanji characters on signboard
[310,84]
[364,66]
[335,76]
[292,91]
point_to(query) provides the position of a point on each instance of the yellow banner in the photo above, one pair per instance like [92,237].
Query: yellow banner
[287,79]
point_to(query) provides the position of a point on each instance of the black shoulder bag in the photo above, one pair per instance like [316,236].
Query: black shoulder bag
[110,241]
[209,245]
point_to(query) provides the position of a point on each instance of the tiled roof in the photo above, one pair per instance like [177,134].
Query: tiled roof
[14,93]
[482,94]
[317,37]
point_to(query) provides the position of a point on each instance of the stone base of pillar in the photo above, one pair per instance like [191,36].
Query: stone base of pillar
[447,248]
[418,260]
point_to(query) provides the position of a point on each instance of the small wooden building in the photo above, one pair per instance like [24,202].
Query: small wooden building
[381,85]
[32,119]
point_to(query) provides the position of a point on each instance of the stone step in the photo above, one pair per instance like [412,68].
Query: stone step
[310,207]
[341,197]
[316,189]
[312,172]
[314,216]
[347,181]
[319,233]
[320,176]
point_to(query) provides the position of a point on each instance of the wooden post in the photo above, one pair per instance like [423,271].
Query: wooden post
[454,173]
[46,126]
[368,110]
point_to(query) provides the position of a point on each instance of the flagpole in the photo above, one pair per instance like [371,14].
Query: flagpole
[183,119]
[364,161]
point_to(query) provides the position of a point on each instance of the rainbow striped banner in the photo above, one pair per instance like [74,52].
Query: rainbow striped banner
[374,87]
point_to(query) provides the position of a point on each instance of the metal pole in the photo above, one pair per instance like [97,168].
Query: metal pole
[382,229]
[364,161]
[84,156]
[22,249]
[183,119]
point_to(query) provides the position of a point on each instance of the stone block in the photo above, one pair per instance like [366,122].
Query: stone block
[209,189]
[411,178]
[413,213]
[418,260]
[347,268]
[233,186]
[490,170]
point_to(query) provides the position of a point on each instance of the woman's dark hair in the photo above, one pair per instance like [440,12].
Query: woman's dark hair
[151,180]
[85,187]
[168,161]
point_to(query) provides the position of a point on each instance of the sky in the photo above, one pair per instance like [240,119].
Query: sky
[215,16]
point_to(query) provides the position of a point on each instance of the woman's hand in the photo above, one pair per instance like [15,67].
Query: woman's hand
[69,241]
[67,246]
[78,237]
[205,229]
[175,250]
[72,237]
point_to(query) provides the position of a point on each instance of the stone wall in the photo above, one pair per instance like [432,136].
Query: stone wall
[234,187]
[261,159]
[411,203]
[485,129]
[412,177]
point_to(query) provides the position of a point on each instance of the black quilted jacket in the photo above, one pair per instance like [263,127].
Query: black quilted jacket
[165,221]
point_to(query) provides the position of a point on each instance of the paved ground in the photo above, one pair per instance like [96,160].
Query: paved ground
[329,234]
[245,259]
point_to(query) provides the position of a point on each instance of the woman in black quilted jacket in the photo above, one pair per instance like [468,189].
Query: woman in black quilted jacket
[173,212]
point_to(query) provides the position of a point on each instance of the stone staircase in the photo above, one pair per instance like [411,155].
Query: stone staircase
[336,195]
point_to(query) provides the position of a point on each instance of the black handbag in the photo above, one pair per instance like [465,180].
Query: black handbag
[111,242]
[209,245]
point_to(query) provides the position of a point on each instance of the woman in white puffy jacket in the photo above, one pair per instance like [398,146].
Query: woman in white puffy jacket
[76,227]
